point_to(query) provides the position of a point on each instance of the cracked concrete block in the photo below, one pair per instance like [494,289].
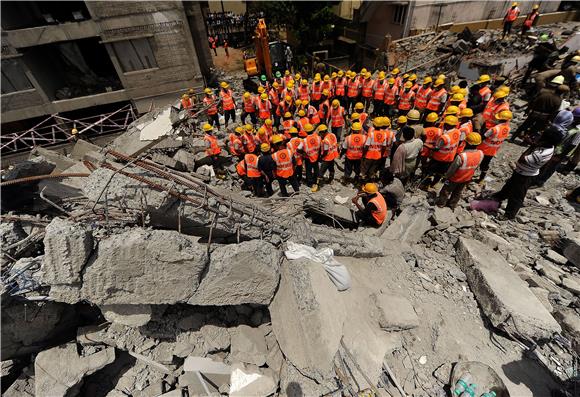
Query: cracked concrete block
[504,298]
[249,381]
[129,315]
[249,345]
[393,312]
[215,338]
[307,318]
[58,371]
[409,226]
[239,274]
[67,247]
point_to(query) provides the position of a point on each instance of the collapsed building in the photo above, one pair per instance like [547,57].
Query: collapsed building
[128,269]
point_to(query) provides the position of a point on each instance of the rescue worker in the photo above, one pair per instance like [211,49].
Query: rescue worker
[340,88]
[398,80]
[336,118]
[385,126]
[274,97]
[235,145]
[323,108]
[423,94]
[311,112]
[247,169]
[367,85]
[379,94]
[492,140]
[186,102]
[326,86]
[289,91]
[284,159]
[391,93]
[303,91]
[293,144]
[458,100]
[328,153]
[444,151]
[261,136]
[430,138]
[287,78]
[362,115]
[248,139]
[465,127]
[228,103]
[373,150]
[438,97]
[494,107]
[509,19]
[268,127]
[406,98]
[352,147]
[302,121]
[414,121]
[352,93]
[531,19]
[249,108]
[479,94]
[373,210]
[287,123]
[310,148]
[212,148]
[264,107]
[460,172]
[316,90]
[267,167]
[285,106]
[210,101]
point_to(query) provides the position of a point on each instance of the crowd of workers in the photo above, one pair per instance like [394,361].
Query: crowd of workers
[385,127]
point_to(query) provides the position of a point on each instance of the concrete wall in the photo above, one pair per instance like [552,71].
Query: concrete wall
[235,6]
[380,23]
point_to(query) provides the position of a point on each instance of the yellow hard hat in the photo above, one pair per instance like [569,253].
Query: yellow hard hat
[317,78]
[441,77]
[432,117]
[576,58]
[261,131]
[370,188]
[438,82]
[368,75]
[207,127]
[185,96]
[207,91]
[308,127]
[248,127]
[457,97]
[359,106]
[356,126]
[301,113]
[405,76]
[363,71]
[322,128]
[264,96]
[287,115]
[504,115]
[335,103]
[305,101]
[304,82]
[298,102]
[515,4]
[293,130]
[391,80]
[355,116]
[386,121]
[427,80]
[286,73]
[340,73]
[377,121]
[451,120]
[401,120]
[463,91]
[381,75]
[325,93]
[264,147]
[288,98]
[467,112]
[408,84]
[326,77]
[451,110]
[277,139]
[535,7]
[473,138]
[246,95]
[74,131]
[223,84]
[297,76]
[483,78]
[239,130]
[290,84]
[455,89]
[261,90]
[395,71]
[413,115]
[504,88]
[498,94]
[333,75]
[413,77]
[275,84]
[268,122]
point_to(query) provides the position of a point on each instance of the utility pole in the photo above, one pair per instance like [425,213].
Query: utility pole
[438,18]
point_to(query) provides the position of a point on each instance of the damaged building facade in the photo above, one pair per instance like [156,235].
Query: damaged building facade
[79,59]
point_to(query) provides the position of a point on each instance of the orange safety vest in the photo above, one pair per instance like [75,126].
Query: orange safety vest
[380,213]
[312,114]
[274,98]
[326,85]
[227,100]
[367,88]
[435,100]
[512,14]
[391,94]
[249,105]
[249,142]
[186,103]
[405,99]
[235,144]
[422,97]
[316,91]
[391,137]
[283,159]
[465,129]
[354,146]
[282,108]
[491,109]
[329,147]
[312,147]
[264,108]
[210,101]
[288,92]
[292,145]
[251,161]
[339,85]
[241,168]
[470,160]
[287,124]
[484,91]
[214,147]
[322,115]
[432,135]
[337,116]
[376,142]
[530,19]
[303,121]
[491,144]
[362,118]
[352,88]
[446,152]
[379,90]
[303,93]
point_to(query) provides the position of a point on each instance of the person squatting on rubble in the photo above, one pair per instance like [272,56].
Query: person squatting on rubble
[371,205]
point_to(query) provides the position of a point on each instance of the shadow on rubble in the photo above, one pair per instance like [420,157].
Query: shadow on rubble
[294,390]
[529,373]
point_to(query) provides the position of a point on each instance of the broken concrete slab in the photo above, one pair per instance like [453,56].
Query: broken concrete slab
[571,249]
[444,217]
[240,274]
[409,226]
[571,283]
[542,295]
[186,159]
[549,270]
[393,312]
[307,318]
[491,239]
[67,247]
[83,148]
[206,365]
[249,345]
[23,386]
[215,338]
[249,381]
[129,315]
[556,257]
[58,161]
[503,296]
[58,371]
[167,161]
[570,322]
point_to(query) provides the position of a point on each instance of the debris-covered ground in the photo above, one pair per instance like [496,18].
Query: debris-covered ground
[132,275]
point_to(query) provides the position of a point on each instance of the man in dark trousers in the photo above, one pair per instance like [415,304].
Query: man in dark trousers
[266,166]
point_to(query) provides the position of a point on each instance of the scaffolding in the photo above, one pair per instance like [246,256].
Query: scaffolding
[56,129]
